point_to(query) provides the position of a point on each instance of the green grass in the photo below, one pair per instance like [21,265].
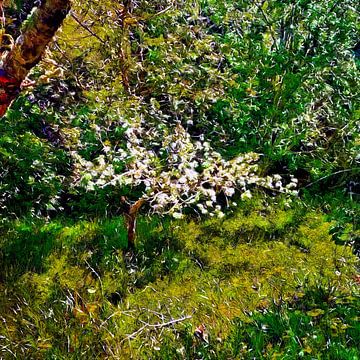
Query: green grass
[297,329]
[267,281]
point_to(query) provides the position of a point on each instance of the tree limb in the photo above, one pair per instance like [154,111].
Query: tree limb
[37,32]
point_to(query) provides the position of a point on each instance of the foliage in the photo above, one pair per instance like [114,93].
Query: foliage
[276,78]
[221,80]
[33,172]
[214,112]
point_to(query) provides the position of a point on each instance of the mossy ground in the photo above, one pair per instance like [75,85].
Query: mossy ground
[267,281]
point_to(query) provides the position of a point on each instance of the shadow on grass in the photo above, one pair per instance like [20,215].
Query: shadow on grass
[98,244]
[25,246]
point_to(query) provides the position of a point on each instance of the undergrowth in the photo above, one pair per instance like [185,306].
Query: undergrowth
[267,282]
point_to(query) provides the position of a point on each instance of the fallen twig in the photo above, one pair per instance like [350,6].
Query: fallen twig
[155,326]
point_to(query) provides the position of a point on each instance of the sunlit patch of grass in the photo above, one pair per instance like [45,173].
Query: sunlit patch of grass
[263,289]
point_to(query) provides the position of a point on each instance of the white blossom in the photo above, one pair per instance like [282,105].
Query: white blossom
[229,191]
[177,215]
[171,176]
[246,195]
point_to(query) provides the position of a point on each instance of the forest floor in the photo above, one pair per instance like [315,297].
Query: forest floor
[271,280]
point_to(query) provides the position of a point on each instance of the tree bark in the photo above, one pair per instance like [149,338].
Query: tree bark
[130,218]
[37,32]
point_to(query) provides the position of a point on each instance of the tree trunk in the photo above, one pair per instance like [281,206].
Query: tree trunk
[130,217]
[37,32]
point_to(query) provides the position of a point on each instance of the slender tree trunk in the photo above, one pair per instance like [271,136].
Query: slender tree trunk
[37,32]
[130,217]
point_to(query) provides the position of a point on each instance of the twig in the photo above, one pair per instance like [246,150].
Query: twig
[155,326]
[326,176]
[72,14]
[159,13]
[268,23]
[62,52]
[97,275]
[336,3]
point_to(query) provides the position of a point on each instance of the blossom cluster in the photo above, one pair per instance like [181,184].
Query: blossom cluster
[176,171]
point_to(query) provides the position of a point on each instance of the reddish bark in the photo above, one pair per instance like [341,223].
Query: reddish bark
[9,89]
[130,217]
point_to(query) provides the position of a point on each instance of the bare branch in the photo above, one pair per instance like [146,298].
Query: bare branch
[72,14]
[155,326]
[329,175]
